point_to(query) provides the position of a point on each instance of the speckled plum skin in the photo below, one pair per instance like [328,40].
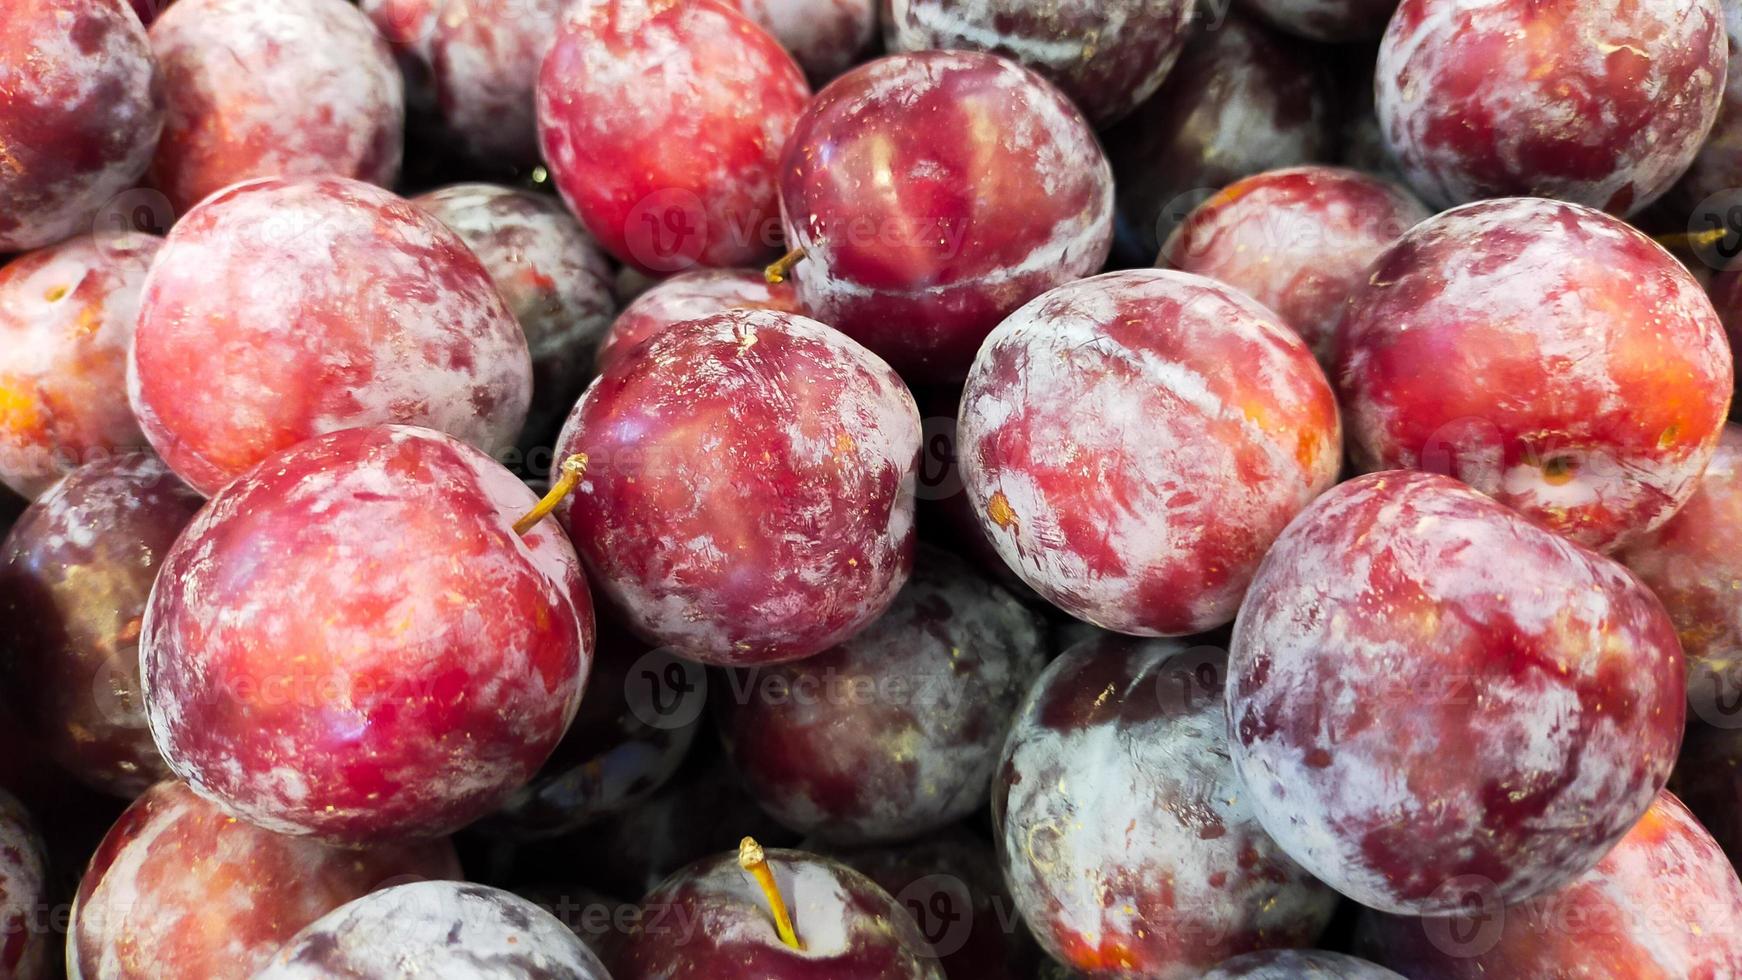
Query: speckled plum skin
[1718,165]
[1125,836]
[951,884]
[933,194]
[1694,564]
[662,122]
[1333,21]
[1118,466]
[615,753]
[436,929]
[24,894]
[555,278]
[1544,353]
[281,309]
[1298,240]
[692,296]
[75,573]
[1708,778]
[1664,904]
[1107,55]
[67,315]
[288,88]
[180,888]
[1598,102]
[826,37]
[1241,100]
[749,494]
[402,663]
[893,734]
[710,921]
[82,115]
[1432,697]
[1298,964]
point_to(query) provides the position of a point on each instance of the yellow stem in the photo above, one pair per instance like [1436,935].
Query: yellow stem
[573,469]
[1693,239]
[751,859]
[777,273]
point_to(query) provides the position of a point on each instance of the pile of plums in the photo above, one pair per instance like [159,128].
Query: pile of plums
[870,489]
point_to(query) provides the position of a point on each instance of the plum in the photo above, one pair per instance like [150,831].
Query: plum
[749,498]
[711,921]
[1598,103]
[1118,465]
[1296,964]
[1717,168]
[1432,697]
[1107,55]
[281,309]
[826,37]
[281,89]
[67,315]
[1694,564]
[1708,778]
[436,929]
[399,666]
[180,888]
[81,117]
[929,195]
[893,734]
[1544,353]
[1124,833]
[663,123]
[1664,904]
[1298,240]
[692,296]
[74,577]
[24,895]
[1241,100]
[555,278]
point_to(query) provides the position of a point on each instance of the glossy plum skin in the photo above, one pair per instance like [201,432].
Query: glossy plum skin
[436,929]
[1241,100]
[282,309]
[951,884]
[67,315]
[75,573]
[1107,55]
[692,296]
[82,115]
[289,88]
[25,946]
[749,493]
[933,194]
[710,921]
[1708,778]
[399,667]
[180,888]
[554,277]
[1694,564]
[1718,165]
[620,749]
[1118,466]
[826,37]
[1504,704]
[1298,964]
[1664,904]
[1298,240]
[1599,103]
[893,734]
[1124,834]
[1547,355]
[663,122]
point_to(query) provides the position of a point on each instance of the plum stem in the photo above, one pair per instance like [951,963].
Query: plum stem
[573,469]
[752,859]
[782,267]
[1693,239]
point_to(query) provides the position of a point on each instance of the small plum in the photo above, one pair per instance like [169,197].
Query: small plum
[1298,964]
[692,296]
[180,888]
[1117,464]
[352,642]
[826,37]
[67,316]
[24,895]
[750,492]
[1431,696]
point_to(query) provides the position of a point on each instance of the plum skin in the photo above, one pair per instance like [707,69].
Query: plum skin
[691,296]
[749,490]
[400,666]
[1415,715]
